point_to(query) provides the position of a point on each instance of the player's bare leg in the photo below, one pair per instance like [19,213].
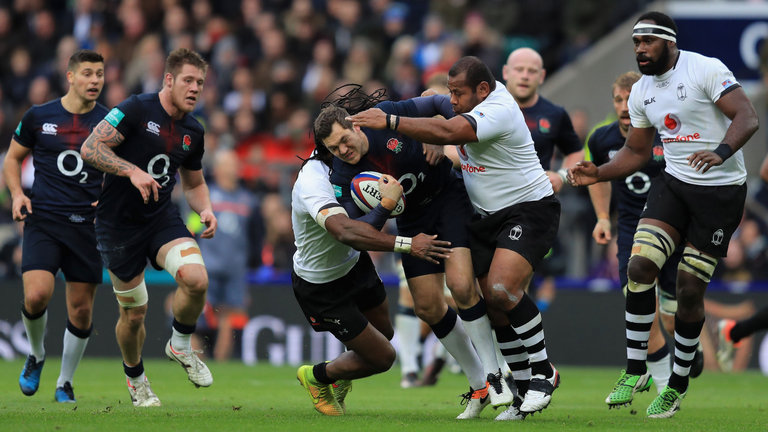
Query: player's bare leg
[182,259]
[130,333]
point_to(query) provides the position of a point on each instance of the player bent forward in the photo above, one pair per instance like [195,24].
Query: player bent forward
[337,287]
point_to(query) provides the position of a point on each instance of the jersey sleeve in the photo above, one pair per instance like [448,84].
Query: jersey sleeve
[716,78]
[567,141]
[194,161]
[427,106]
[126,115]
[25,131]
[489,121]
[636,111]
[593,147]
[316,192]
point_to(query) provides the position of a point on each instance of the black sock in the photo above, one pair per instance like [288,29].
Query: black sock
[321,375]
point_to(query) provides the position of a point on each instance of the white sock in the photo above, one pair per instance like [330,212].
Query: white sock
[457,343]
[479,331]
[408,328]
[660,371]
[74,347]
[137,380]
[181,341]
[36,334]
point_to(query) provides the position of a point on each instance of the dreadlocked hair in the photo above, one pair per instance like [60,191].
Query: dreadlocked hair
[345,100]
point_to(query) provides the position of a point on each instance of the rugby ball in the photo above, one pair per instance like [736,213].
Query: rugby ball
[365,192]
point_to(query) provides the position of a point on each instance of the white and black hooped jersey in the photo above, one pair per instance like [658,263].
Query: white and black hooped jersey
[502,168]
[319,257]
[680,104]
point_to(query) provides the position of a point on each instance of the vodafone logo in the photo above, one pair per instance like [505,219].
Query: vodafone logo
[672,123]
[472,168]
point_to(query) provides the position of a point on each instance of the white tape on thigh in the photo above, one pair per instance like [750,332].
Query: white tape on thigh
[134,297]
[182,254]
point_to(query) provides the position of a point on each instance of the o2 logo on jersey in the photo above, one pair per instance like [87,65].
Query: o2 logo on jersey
[185,142]
[672,123]
[161,175]
[77,170]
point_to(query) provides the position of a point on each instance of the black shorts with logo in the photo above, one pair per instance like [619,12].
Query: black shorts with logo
[706,216]
[50,244]
[448,216]
[338,306]
[528,228]
[124,251]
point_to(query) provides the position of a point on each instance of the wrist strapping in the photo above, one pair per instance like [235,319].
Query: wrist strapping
[724,151]
[403,244]
[393,121]
[563,173]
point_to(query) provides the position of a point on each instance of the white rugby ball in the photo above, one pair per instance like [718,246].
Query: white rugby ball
[365,192]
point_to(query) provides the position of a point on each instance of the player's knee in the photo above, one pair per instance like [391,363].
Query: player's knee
[651,248]
[463,291]
[35,302]
[132,298]
[193,280]
[383,362]
[179,256]
[430,312]
[698,264]
[80,315]
[641,273]
[503,296]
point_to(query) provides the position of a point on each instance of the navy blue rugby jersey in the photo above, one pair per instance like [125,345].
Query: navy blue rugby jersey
[400,156]
[630,192]
[64,185]
[550,127]
[158,145]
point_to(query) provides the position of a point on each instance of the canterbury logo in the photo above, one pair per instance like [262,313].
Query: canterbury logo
[153,127]
[50,128]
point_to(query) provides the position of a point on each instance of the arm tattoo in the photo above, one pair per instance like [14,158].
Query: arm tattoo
[98,150]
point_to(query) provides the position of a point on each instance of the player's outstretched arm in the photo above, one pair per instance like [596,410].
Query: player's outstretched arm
[12,176]
[454,131]
[362,236]
[633,156]
[199,199]
[97,151]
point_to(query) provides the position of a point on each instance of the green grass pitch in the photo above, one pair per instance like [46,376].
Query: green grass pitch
[269,398]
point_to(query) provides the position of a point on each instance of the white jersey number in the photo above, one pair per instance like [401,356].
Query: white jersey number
[78,165]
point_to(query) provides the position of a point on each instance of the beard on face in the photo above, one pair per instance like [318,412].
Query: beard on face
[656,67]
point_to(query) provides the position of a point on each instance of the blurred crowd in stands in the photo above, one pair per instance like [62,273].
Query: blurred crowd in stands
[274,61]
